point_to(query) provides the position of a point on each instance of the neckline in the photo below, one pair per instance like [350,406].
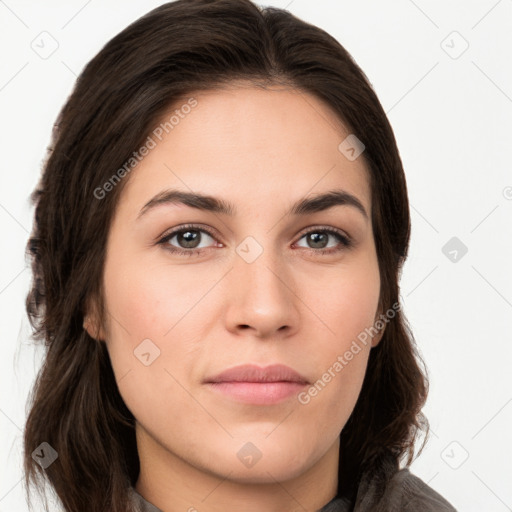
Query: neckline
[337,504]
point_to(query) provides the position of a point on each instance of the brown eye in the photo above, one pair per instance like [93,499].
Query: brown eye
[186,240]
[318,240]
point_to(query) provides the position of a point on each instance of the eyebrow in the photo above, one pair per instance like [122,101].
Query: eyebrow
[304,206]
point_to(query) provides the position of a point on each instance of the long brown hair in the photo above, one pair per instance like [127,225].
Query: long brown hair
[177,49]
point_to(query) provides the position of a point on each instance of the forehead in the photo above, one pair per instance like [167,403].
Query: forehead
[253,146]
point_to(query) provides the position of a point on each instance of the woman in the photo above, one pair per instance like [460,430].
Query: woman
[219,233]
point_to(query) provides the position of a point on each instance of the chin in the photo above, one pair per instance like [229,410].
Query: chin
[264,473]
[265,464]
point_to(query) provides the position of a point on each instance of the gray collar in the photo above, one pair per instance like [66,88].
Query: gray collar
[142,505]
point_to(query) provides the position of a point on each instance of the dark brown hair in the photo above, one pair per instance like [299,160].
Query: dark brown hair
[175,50]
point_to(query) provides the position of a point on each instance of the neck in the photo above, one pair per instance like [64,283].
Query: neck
[172,484]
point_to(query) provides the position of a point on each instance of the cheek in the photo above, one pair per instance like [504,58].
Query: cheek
[346,305]
[345,301]
[153,298]
[149,302]
[141,305]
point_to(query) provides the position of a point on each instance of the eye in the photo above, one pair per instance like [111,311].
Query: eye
[318,240]
[188,239]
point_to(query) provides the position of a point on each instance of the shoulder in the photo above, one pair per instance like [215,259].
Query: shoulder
[401,492]
[408,493]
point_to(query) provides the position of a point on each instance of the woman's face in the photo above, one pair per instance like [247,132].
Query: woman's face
[244,285]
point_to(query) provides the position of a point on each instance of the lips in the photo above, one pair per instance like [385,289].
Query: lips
[253,373]
[253,385]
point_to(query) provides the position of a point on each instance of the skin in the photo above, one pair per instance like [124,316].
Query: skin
[262,150]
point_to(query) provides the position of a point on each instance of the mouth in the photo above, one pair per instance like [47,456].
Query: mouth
[254,385]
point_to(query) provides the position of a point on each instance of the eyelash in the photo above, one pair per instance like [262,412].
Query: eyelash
[345,241]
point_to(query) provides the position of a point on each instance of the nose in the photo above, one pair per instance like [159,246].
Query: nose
[262,300]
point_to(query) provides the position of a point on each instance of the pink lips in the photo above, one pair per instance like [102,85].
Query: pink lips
[259,386]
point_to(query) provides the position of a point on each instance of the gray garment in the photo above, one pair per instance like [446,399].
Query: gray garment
[405,492]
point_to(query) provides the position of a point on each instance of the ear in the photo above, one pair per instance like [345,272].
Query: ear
[378,337]
[92,321]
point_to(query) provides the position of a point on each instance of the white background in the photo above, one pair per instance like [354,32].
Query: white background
[452,117]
